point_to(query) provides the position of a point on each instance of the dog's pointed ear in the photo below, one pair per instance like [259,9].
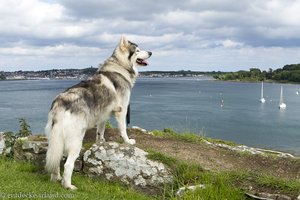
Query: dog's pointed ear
[123,43]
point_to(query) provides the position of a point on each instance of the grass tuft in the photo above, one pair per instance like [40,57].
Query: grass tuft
[218,185]
[292,186]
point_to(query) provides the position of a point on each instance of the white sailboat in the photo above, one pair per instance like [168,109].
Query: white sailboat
[262,99]
[221,101]
[282,105]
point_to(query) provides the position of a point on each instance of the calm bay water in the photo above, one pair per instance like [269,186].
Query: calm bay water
[181,104]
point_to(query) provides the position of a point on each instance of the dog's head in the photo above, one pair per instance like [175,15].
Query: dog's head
[132,53]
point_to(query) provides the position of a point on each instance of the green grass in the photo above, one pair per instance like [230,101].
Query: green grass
[26,179]
[157,156]
[292,185]
[219,185]
[189,137]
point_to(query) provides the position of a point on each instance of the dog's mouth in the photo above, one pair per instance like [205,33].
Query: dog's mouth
[142,62]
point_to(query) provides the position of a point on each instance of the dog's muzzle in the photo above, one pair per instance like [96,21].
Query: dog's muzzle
[143,62]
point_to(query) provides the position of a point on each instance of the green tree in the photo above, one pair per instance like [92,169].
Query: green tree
[255,72]
[2,76]
[24,128]
[291,67]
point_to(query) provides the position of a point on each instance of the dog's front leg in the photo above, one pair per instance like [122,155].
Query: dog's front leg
[121,120]
[100,132]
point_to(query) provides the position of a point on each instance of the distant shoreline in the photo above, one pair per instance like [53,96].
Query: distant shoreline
[164,77]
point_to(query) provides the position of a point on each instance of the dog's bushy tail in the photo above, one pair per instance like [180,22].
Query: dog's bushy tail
[54,155]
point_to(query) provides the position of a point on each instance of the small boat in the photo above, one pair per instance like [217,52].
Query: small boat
[262,99]
[221,100]
[222,103]
[297,93]
[282,105]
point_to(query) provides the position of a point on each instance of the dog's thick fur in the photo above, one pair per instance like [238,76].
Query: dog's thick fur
[90,103]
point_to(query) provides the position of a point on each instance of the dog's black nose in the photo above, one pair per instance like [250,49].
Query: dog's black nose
[150,53]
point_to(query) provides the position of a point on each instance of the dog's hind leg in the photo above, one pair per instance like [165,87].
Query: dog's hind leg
[69,166]
[121,120]
[72,148]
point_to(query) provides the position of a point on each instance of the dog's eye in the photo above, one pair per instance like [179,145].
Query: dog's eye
[137,50]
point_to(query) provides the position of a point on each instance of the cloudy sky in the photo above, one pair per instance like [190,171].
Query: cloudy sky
[201,35]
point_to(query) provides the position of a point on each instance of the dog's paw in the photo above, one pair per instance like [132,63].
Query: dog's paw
[69,187]
[72,187]
[131,141]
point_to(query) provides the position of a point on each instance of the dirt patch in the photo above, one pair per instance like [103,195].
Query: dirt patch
[210,157]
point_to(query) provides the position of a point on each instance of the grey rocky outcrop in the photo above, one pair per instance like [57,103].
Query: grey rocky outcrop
[7,141]
[251,150]
[30,149]
[128,164]
[2,143]
[33,149]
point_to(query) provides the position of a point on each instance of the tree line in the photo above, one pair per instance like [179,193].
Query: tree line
[288,73]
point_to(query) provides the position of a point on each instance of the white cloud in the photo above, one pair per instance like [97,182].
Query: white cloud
[27,16]
[63,50]
[230,44]
[211,32]
[285,12]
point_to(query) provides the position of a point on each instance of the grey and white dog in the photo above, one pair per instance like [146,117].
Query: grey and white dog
[90,103]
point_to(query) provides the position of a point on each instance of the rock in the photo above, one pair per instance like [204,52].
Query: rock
[251,150]
[2,143]
[267,196]
[34,149]
[298,198]
[7,141]
[182,190]
[140,129]
[128,164]
[30,150]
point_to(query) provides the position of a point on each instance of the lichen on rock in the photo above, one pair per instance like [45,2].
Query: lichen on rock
[124,163]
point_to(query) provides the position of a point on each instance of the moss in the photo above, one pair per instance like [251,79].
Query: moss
[87,145]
